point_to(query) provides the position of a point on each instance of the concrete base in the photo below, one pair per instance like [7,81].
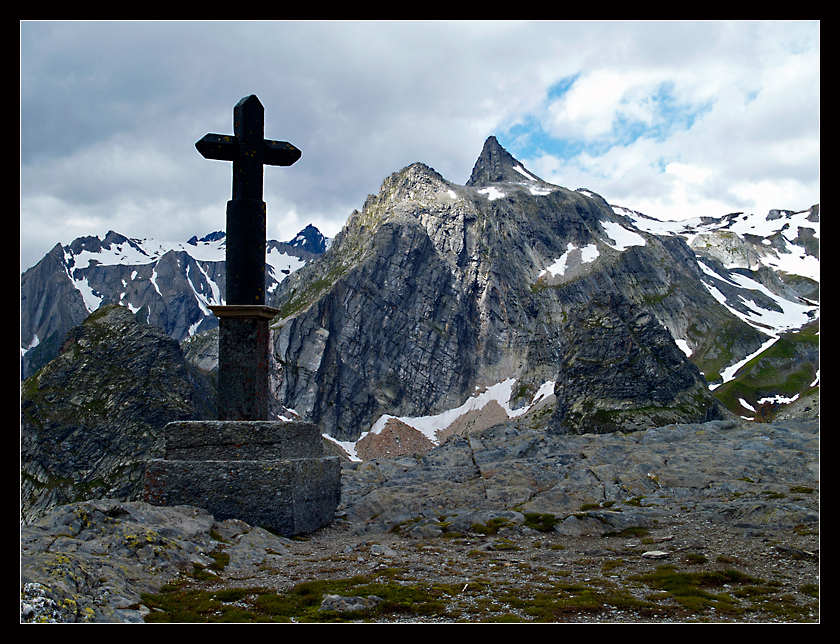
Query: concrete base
[266,473]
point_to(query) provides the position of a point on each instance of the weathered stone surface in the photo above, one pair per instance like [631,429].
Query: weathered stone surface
[213,440]
[621,370]
[743,491]
[93,416]
[90,561]
[710,467]
[291,496]
[273,474]
[243,363]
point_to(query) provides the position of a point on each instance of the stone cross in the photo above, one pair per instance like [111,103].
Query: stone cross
[249,151]
[243,321]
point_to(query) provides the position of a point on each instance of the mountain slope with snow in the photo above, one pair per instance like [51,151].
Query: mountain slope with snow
[770,264]
[435,291]
[169,284]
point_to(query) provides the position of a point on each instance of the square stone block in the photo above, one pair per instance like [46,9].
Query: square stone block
[272,474]
[290,497]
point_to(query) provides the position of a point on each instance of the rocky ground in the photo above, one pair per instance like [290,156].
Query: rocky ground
[521,574]
[712,523]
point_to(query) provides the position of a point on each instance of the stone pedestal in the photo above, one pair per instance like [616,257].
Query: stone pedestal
[243,361]
[272,474]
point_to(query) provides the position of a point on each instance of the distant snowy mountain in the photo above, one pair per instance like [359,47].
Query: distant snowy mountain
[170,284]
[750,248]
[311,239]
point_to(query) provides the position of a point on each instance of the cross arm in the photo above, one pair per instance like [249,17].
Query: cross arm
[224,147]
[279,153]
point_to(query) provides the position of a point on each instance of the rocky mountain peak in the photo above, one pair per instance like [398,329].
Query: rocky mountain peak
[496,165]
[414,182]
[212,237]
[310,239]
[402,194]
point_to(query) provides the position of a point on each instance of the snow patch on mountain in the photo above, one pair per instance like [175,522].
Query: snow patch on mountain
[621,237]
[430,426]
[145,251]
[91,299]
[777,234]
[730,372]
[492,193]
[525,173]
[140,252]
[786,315]
[683,346]
[280,265]
[744,243]
[588,253]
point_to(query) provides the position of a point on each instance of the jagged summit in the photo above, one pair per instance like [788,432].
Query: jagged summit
[212,237]
[496,165]
[310,239]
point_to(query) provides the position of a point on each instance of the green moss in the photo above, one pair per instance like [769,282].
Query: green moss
[504,544]
[812,590]
[696,558]
[632,531]
[596,506]
[562,601]
[665,593]
[541,522]
[491,527]
[719,351]
[763,376]
[220,560]
[397,528]
[696,591]
[302,603]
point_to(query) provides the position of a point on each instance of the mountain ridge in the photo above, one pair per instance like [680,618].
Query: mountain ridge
[170,284]
[475,280]
[436,292]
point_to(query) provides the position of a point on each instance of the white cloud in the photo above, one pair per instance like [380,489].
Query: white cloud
[110,113]
[596,102]
[726,118]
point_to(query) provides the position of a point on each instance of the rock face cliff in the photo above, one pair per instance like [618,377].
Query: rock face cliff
[620,369]
[435,290]
[92,416]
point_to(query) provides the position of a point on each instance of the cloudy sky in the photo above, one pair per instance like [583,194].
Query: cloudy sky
[672,119]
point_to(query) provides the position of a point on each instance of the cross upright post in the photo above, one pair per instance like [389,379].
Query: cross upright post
[243,320]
